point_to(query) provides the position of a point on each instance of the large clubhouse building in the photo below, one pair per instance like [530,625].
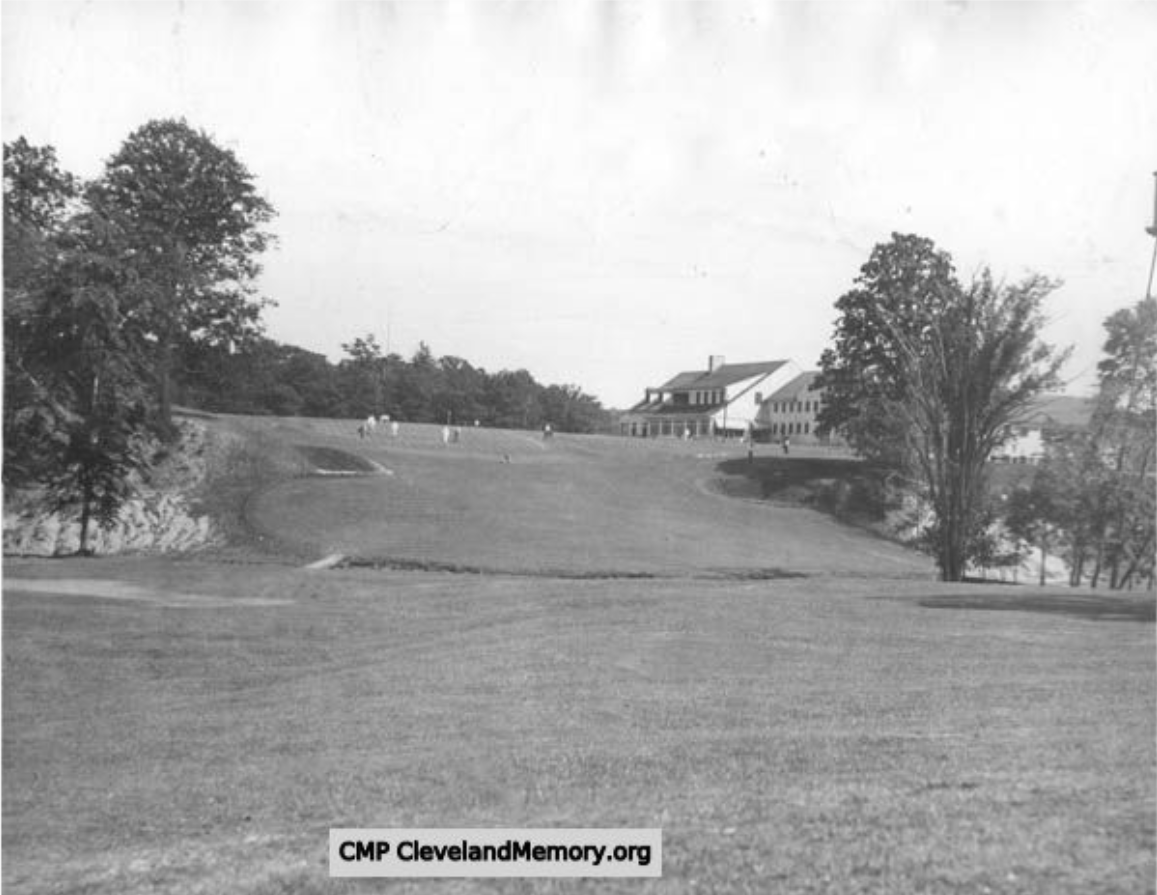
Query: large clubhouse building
[768,399]
[792,411]
[773,400]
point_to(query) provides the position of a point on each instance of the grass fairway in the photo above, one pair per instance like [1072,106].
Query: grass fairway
[197,726]
[577,506]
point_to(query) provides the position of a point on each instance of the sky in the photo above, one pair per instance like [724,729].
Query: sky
[606,193]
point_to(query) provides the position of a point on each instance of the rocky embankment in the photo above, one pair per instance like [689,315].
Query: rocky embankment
[161,518]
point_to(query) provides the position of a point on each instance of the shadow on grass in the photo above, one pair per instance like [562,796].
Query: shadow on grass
[1107,608]
[851,490]
[415,565]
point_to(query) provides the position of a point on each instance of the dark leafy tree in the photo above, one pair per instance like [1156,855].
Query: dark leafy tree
[459,397]
[514,401]
[419,382]
[195,221]
[1093,498]
[898,296]
[84,345]
[1038,514]
[37,196]
[263,377]
[964,378]
[363,376]
[1124,454]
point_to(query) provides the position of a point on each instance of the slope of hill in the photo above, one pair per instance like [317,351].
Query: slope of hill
[510,502]
[163,515]
[493,500]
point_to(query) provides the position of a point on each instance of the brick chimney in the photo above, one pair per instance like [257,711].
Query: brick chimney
[714,362]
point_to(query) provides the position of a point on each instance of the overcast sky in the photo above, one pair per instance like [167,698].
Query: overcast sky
[606,193]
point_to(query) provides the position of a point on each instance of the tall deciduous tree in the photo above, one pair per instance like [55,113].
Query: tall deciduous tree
[37,194]
[963,382]
[1124,432]
[929,374]
[1093,497]
[82,429]
[901,290]
[1039,514]
[195,221]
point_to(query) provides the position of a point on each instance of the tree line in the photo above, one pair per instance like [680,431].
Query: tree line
[928,375]
[1093,500]
[271,378]
[137,288]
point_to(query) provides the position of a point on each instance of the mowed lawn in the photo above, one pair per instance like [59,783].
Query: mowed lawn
[576,505]
[198,727]
[798,705]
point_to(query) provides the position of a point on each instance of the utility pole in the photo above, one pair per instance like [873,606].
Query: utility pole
[1152,231]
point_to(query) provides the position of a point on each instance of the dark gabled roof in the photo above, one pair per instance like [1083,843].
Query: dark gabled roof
[790,391]
[1060,410]
[722,376]
[683,380]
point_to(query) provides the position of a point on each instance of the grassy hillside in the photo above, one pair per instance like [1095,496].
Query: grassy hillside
[798,705]
[508,501]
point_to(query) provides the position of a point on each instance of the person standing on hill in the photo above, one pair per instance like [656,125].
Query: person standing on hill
[786,445]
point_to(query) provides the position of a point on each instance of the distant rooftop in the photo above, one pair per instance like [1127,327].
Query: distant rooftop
[791,390]
[1061,410]
[721,376]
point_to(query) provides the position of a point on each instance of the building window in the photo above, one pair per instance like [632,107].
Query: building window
[807,427]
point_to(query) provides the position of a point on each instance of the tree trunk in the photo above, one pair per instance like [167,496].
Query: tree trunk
[1077,570]
[85,517]
[1135,563]
[167,431]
